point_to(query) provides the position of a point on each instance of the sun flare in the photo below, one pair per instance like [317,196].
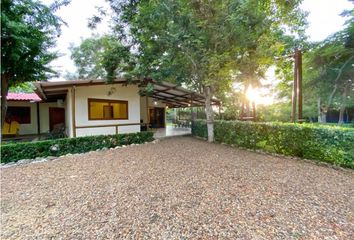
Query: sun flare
[259,96]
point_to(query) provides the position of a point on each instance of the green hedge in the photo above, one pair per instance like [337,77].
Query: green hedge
[28,150]
[325,143]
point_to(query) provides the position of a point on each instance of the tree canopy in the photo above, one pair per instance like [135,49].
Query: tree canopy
[329,71]
[206,44]
[28,31]
[102,57]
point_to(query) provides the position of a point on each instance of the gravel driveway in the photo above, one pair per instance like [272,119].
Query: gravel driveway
[178,188]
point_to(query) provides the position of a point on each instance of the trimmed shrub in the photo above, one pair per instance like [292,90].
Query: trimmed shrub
[28,150]
[325,143]
[199,129]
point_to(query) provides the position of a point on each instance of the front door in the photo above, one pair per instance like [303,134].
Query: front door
[157,117]
[56,116]
[160,117]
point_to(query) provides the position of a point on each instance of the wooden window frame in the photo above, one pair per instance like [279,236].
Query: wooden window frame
[89,100]
[28,108]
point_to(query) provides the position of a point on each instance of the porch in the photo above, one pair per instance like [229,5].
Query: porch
[171,131]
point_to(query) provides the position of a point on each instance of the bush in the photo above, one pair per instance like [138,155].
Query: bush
[15,151]
[325,143]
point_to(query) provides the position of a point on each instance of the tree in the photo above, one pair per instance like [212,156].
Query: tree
[26,87]
[28,31]
[329,70]
[327,73]
[203,43]
[102,57]
[87,58]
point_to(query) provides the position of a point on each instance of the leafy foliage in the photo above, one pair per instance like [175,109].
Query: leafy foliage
[28,30]
[206,44]
[15,151]
[329,70]
[327,73]
[101,57]
[26,87]
[198,43]
[329,144]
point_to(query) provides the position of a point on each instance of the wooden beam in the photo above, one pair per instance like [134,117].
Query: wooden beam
[184,97]
[299,84]
[177,88]
[38,120]
[168,89]
[192,110]
[196,98]
[86,84]
[40,93]
[48,93]
[147,112]
[169,100]
[108,125]
[175,97]
[294,95]
[176,103]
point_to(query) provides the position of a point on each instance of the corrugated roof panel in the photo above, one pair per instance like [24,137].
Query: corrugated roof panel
[23,97]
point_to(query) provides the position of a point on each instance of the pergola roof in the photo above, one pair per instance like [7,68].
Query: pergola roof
[168,93]
[176,96]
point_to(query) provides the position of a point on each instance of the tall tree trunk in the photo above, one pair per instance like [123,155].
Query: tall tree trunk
[324,117]
[341,114]
[322,112]
[319,117]
[4,90]
[208,92]
[325,109]
[343,105]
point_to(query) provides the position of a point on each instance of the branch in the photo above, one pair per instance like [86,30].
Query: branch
[336,81]
[341,69]
[331,95]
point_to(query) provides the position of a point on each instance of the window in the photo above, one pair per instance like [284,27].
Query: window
[21,115]
[101,109]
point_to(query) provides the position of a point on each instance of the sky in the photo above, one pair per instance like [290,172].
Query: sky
[323,20]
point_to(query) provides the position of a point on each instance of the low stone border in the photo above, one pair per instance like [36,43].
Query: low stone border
[54,158]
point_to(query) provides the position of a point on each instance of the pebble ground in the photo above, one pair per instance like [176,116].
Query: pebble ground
[178,188]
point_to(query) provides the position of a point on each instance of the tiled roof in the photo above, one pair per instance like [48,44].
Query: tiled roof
[23,97]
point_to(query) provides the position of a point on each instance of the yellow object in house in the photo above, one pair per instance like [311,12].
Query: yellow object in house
[10,129]
[5,128]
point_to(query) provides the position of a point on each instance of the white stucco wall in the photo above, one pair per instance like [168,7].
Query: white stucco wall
[44,115]
[30,128]
[68,114]
[151,105]
[143,109]
[127,93]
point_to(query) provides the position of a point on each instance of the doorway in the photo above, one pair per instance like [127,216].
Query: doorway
[56,116]
[157,117]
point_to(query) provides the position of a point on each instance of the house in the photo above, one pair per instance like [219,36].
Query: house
[25,108]
[93,107]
